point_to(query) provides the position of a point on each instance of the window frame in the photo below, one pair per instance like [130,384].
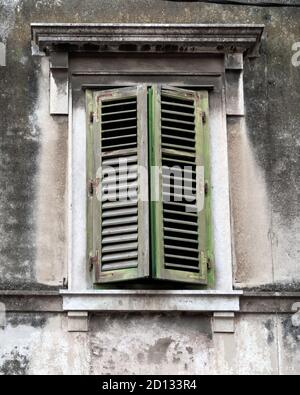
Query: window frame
[102,74]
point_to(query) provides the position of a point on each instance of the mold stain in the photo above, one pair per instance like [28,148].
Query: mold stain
[291,334]
[14,364]
[158,352]
[35,321]
[270,327]
[190,350]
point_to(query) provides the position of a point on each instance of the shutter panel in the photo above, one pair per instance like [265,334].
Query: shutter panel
[180,204]
[120,209]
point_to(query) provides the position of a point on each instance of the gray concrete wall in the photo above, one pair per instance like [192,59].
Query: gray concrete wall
[264,173]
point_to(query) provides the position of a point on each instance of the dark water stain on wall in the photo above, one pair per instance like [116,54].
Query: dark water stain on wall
[33,320]
[14,364]
[272,86]
[19,147]
[270,326]
[291,334]
[158,352]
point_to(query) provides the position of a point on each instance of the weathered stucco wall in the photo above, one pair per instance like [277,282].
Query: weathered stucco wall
[173,344]
[264,160]
[264,173]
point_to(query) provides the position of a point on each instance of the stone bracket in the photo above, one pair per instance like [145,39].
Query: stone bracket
[78,321]
[234,61]
[59,83]
[224,323]
[234,76]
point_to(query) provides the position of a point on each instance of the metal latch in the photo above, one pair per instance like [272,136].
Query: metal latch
[94,260]
[93,185]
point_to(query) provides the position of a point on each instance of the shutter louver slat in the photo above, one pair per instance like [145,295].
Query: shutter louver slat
[119,239]
[133,230]
[119,204]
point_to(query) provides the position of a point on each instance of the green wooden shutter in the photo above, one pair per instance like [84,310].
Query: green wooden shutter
[118,211]
[181,233]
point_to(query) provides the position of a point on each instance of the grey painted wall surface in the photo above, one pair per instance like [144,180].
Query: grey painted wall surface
[264,172]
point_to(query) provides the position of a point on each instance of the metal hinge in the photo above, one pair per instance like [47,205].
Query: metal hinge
[92,116]
[93,185]
[206,188]
[204,117]
[94,261]
[206,261]
[209,263]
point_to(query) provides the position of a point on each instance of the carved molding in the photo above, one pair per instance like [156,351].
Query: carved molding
[57,40]
[147,38]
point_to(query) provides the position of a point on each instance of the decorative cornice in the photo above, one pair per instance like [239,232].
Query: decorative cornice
[178,38]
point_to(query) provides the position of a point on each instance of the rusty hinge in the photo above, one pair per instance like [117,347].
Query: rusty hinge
[206,260]
[209,263]
[204,117]
[94,261]
[92,116]
[92,185]
[206,188]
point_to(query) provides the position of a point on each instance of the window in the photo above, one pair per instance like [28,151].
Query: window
[86,62]
[149,196]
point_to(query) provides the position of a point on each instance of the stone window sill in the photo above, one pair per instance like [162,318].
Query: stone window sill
[151,301]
